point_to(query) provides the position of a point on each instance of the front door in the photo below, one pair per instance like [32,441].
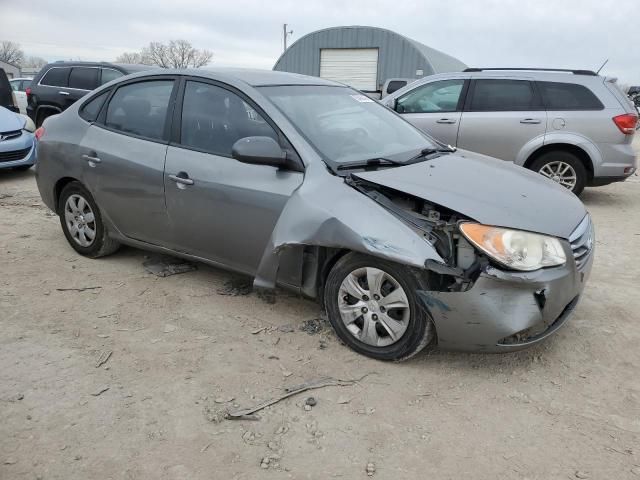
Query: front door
[435,108]
[124,153]
[221,209]
[500,117]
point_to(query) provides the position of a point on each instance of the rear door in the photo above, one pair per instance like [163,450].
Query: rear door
[500,116]
[81,81]
[124,153]
[219,208]
[435,108]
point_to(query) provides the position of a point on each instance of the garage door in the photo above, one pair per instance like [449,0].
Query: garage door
[357,67]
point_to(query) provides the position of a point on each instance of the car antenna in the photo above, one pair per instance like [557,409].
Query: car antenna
[602,66]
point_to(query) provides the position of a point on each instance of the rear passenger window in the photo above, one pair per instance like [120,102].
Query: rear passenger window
[214,118]
[568,96]
[109,74]
[140,108]
[83,78]
[92,108]
[502,96]
[56,77]
[441,96]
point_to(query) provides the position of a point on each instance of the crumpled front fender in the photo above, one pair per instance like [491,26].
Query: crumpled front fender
[324,211]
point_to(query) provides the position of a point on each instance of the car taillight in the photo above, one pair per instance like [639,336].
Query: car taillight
[28,92]
[626,123]
[39,133]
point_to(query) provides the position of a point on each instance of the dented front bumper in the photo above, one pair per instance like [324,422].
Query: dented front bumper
[506,311]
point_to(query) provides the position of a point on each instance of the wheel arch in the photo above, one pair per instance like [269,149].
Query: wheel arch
[579,152]
[59,186]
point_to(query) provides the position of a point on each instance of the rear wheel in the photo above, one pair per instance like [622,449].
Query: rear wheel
[373,307]
[564,168]
[42,115]
[82,223]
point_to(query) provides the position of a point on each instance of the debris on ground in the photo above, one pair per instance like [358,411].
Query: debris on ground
[103,358]
[224,399]
[235,287]
[371,469]
[291,391]
[311,401]
[165,266]
[343,400]
[82,289]
[99,391]
[286,329]
[582,475]
[312,326]
[168,328]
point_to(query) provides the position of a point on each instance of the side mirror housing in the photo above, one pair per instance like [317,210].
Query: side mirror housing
[259,151]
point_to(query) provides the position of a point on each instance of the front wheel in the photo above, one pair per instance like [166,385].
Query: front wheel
[373,307]
[564,168]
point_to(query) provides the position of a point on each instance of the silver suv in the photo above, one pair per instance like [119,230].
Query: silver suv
[572,126]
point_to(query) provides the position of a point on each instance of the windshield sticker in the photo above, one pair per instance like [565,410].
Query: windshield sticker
[361,98]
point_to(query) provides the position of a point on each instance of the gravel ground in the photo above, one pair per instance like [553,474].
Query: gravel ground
[183,350]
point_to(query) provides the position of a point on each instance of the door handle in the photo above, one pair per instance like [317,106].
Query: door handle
[531,121]
[447,121]
[92,159]
[63,93]
[181,179]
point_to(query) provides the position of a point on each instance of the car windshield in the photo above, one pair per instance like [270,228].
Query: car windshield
[346,126]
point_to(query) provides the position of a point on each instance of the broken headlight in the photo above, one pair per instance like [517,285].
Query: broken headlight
[515,248]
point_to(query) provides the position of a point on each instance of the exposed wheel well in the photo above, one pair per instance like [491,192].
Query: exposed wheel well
[562,147]
[45,111]
[60,184]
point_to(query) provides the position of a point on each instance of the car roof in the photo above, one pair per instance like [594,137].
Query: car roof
[253,77]
[127,67]
[548,75]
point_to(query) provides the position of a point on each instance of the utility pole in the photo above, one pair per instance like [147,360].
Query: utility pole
[285,34]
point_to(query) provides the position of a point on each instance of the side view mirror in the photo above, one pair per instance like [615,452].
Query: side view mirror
[259,151]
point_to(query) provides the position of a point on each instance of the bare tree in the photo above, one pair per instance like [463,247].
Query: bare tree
[131,57]
[175,54]
[33,62]
[10,52]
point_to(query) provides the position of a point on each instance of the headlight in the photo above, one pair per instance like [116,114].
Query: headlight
[514,248]
[29,126]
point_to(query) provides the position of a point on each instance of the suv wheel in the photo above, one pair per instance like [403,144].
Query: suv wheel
[82,223]
[564,168]
[42,115]
[373,307]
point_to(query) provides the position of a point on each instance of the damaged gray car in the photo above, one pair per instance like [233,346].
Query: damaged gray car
[307,184]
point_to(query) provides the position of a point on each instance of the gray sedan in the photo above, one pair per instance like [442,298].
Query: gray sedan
[310,185]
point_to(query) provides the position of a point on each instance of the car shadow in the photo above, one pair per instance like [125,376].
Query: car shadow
[10,174]
[593,197]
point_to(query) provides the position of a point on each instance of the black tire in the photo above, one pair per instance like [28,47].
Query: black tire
[102,244]
[569,158]
[42,115]
[420,331]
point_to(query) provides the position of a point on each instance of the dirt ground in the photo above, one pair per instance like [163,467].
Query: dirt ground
[182,352]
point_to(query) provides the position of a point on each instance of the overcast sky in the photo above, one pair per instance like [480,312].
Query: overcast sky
[248,33]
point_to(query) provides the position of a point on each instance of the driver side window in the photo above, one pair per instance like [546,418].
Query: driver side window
[432,97]
[214,118]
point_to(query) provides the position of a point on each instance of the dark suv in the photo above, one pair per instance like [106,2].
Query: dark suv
[60,84]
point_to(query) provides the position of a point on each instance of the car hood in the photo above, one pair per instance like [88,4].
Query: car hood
[9,121]
[490,191]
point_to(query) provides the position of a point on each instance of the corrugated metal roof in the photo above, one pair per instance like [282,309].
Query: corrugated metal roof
[399,56]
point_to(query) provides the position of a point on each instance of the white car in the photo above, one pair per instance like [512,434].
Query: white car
[19,87]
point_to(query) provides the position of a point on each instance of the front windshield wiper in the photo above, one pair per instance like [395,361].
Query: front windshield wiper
[425,152]
[372,162]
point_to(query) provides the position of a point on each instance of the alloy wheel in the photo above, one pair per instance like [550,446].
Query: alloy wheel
[560,172]
[80,220]
[373,306]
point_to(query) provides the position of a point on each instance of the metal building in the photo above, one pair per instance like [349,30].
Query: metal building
[363,57]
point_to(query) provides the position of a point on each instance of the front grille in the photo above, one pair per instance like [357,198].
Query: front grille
[10,135]
[14,155]
[581,241]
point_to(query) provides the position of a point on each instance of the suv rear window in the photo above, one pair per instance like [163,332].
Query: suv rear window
[56,77]
[568,96]
[84,78]
[502,96]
